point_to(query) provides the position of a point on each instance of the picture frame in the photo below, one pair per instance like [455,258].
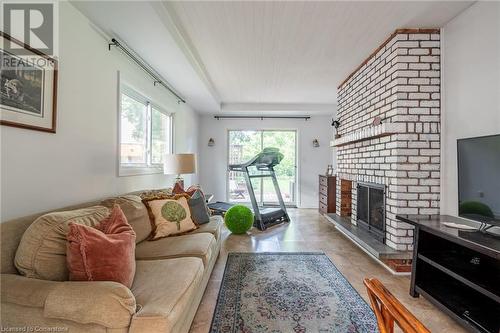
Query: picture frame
[28,86]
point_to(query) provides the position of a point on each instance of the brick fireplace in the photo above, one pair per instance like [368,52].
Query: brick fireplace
[389,114]
[345,197]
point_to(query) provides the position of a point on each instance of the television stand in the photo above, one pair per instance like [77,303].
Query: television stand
[457,270]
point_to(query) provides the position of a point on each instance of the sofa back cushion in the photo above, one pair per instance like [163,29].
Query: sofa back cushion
[11,233]
[42,251]
[135,212]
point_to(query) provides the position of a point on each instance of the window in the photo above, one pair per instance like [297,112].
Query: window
[145,134]
[244,145]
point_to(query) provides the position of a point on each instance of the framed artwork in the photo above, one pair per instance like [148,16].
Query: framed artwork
[28,86]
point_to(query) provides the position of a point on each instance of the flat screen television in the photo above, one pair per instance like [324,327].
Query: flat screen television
[479,179]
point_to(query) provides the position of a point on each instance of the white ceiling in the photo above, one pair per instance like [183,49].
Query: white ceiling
[145,27]
[261,56]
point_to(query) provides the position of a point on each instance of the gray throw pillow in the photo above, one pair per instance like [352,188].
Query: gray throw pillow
[199,210]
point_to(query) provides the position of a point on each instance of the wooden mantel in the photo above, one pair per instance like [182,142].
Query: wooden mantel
[369,133]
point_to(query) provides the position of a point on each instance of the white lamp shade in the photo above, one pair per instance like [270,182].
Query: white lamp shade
[177,164]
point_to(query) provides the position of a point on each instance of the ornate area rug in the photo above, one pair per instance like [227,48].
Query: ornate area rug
[288,292]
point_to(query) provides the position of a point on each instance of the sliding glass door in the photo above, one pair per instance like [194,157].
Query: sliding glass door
[244,145]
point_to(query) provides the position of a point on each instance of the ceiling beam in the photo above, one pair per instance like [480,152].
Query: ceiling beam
[167,15]
[279,107]
[262,117]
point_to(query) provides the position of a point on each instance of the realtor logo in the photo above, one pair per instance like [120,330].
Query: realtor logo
[30,23]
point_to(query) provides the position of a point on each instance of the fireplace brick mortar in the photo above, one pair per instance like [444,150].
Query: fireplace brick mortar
[400,83]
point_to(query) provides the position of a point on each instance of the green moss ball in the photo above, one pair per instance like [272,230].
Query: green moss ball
[239,219]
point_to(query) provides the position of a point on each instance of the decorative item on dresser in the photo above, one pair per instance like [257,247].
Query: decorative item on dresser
[327,194]
[329,170]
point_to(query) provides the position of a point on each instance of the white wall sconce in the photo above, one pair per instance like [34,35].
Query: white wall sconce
[315,143]
[211,142]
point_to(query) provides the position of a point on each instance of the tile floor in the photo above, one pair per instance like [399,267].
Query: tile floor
[309,231]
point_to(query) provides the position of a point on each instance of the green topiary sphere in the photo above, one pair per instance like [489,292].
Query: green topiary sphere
[239,219]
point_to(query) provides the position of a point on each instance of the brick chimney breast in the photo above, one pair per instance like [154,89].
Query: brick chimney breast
[398,84]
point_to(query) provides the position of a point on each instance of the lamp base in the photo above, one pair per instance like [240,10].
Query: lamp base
[179,180]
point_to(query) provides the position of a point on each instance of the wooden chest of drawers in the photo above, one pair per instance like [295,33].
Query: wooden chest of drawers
[327,194]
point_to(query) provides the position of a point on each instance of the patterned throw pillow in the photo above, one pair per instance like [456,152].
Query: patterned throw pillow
[169,215]
[151,193]
[199,210]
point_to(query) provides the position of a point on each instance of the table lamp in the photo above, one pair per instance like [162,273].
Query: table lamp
[178,164]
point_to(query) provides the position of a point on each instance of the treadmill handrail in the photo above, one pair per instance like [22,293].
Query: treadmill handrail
[243,165]
[253,162]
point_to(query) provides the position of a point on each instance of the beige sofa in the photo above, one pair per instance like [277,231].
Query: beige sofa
[171,277]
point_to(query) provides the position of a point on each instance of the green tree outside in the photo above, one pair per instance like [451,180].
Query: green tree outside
[244,145]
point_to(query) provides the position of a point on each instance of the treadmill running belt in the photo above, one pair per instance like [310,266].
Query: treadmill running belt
[220,206]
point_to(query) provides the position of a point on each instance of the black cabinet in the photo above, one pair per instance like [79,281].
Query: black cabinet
[457,270]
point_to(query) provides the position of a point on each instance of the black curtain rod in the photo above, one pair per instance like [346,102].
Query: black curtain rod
[157,79]
[263,117]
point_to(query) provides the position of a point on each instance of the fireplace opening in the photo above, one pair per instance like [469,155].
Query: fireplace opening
[371,209]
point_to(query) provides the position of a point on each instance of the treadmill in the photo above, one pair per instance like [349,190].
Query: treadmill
[264,163]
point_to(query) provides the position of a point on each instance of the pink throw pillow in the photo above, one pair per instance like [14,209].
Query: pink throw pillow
[103,253]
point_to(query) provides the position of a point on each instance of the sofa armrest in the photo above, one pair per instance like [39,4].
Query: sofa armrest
[106,303]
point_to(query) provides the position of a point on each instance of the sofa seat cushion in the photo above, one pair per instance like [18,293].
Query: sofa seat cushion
[213,227]
[164,291]
[201,245]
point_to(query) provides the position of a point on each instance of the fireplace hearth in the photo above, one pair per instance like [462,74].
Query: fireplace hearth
[371,209]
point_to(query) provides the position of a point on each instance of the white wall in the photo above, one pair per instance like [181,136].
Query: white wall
[311,161]
[471,87]
[41,171]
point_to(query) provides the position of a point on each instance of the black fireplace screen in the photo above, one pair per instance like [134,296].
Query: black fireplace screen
[371,209]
